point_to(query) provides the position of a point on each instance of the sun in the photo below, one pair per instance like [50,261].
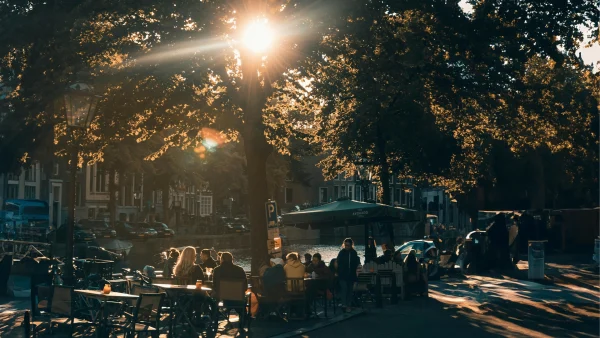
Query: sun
[258,36]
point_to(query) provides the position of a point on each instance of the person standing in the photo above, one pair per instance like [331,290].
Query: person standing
[348,262]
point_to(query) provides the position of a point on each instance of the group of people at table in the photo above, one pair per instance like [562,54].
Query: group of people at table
[336,278]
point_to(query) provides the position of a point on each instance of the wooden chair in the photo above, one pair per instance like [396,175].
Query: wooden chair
[146,316]
[364,287]
[295,293]
[62,313]
[233,296]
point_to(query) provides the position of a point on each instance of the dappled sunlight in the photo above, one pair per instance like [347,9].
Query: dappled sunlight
[519,308]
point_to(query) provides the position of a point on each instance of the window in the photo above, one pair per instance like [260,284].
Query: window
[100,180]
[409,199]
[337,177]
[159,197]
[372,192]
[402,197]
[189,205]
[29,192]
[289,195]
[30,174]
[12,177]
[350,192]
[91,213]
[343,191]
[397,196]
[56,194]
[205,205]
[322,195]
[358,190]
[343,176]
[391,179]
[13,191]
[55,169]
[336,191]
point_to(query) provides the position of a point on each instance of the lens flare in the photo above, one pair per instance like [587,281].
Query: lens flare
[258,36]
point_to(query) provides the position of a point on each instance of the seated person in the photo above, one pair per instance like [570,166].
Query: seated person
[318,267]
[186,268]
[386,257]
[149,271]
[274,279]
[170,263]
[307,259]
[207,260]
[294,269]
[227,271]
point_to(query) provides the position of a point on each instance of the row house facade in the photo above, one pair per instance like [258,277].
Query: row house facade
[52,184]
[320,191]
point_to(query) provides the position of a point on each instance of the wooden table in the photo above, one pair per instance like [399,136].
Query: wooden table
[103,297]
[180,296]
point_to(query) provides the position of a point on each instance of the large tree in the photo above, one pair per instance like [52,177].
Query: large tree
[182,67]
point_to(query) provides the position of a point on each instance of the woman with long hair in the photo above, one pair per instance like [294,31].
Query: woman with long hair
[186,267]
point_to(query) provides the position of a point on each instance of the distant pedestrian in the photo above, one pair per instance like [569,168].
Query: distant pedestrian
[348,262]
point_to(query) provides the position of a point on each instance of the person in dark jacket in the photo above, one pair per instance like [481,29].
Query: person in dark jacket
[318,267]
[348,262]
[207,260]
[228,271]
[386,257]
[370,250]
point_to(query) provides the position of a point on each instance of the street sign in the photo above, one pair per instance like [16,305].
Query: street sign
[271,210]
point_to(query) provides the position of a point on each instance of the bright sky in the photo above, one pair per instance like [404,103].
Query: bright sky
[589,55]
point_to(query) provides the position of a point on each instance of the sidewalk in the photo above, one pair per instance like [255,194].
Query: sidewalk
[12,310]
[479,306]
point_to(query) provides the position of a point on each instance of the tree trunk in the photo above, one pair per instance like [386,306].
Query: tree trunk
[256,156]
[538,187]
[112,198]
[384,176]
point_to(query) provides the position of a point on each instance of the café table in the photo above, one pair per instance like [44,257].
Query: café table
[99,317]
[313,285]
[183,297]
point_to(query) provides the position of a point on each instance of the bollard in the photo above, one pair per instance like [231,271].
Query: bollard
[27,324]
[379,301]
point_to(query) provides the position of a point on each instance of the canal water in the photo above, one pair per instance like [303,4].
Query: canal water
[142,255]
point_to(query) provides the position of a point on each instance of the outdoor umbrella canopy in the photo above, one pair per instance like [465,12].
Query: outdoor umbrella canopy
[346,210]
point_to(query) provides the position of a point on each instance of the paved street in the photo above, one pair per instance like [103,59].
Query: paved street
[476,306]
[482,307]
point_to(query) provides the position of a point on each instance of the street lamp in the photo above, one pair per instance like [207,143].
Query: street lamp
[80,106]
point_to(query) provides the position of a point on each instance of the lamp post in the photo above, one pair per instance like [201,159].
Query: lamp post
[80,106]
